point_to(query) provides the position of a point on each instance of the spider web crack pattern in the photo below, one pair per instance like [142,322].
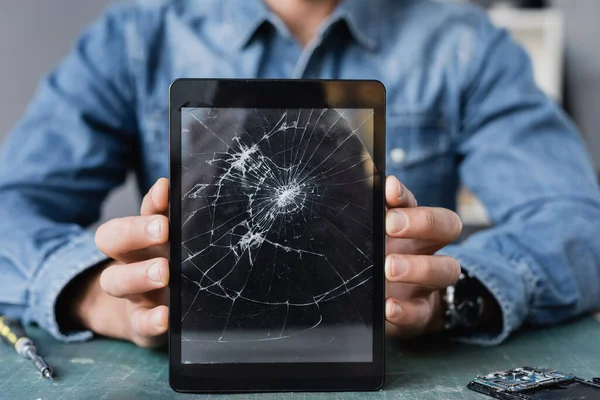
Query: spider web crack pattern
[276,220]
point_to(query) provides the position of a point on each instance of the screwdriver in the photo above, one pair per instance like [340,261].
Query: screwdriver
[13,334]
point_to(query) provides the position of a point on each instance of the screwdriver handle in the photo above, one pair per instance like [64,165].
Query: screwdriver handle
[13,334]
[11,331]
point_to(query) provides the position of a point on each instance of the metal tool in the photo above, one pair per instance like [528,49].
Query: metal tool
[13,334]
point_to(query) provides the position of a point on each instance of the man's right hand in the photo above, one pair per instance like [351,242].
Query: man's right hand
[128,299]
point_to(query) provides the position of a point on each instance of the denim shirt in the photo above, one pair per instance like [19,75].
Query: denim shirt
[462,108]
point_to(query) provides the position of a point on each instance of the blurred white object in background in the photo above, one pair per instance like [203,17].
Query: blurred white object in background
[541,32]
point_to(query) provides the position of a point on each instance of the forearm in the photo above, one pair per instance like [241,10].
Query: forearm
[542,266]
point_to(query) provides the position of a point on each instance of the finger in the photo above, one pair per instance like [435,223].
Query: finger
[147,322]
[436,272]
[410,316]
[156,201]
[397,195]
[120,236]
[431,223]
[123,280]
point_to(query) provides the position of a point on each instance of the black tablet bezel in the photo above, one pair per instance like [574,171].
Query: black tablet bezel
[225,93]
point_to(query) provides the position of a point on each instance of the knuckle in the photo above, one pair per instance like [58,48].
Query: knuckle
[411,319]
[143,340]
[417,313]
[424,267]
[117,280]
[430,219]
[136,323]
[126,227]
[424,310]
[127,278]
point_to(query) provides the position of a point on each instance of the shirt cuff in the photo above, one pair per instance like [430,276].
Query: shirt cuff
[503,281]
[56,272]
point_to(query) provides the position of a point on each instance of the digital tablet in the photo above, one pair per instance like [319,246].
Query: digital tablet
[276,235]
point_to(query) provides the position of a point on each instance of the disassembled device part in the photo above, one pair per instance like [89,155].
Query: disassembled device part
[534,383]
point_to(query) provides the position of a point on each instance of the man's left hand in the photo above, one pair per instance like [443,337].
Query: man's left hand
[416,278]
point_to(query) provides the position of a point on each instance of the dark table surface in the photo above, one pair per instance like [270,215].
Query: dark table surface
[108,369]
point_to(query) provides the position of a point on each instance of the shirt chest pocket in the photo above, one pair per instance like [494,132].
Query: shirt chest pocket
[419,152]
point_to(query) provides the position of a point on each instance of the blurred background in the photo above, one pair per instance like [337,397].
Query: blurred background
[562,37]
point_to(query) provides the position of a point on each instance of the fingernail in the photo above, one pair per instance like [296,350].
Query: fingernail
[154,272]
[395,222]
[157,319]
[400,190]
[153,228]
[396,266]
[394,309]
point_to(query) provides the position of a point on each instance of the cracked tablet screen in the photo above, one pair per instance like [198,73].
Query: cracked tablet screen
[277,235]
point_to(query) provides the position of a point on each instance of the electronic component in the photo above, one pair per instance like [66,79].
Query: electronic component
[534,383]
[520,379]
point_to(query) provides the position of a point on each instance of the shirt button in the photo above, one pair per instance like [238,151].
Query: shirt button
[397,155]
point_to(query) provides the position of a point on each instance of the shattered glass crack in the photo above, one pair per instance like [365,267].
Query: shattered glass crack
[277,222]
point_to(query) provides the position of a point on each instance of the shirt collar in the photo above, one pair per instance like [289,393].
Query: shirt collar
[362,17]
[246,17]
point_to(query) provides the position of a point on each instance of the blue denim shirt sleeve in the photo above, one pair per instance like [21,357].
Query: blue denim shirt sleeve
[524,159]
[57,166]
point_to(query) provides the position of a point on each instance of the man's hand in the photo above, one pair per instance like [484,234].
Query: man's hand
[128,298]
[415,278]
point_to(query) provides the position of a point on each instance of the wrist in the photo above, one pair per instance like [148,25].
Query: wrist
[78,299]
[491,318]
[86,298]
[469,307]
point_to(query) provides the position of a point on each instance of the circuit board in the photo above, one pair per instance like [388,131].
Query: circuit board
[524,378]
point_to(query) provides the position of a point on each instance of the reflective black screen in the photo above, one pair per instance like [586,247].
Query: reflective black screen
[277,235]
